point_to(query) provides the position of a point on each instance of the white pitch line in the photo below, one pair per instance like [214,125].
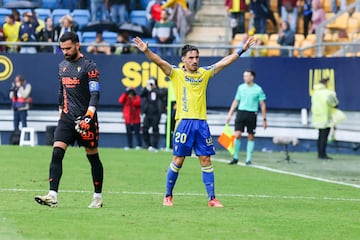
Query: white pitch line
[294,174]
[191,194]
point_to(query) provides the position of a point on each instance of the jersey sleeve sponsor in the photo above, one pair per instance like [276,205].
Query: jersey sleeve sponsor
[94,86]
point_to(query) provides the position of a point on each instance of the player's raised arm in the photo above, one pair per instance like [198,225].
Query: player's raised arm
[142,46]
[226,61]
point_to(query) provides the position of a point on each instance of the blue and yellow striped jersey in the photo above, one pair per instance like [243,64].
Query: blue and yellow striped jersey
[190,91]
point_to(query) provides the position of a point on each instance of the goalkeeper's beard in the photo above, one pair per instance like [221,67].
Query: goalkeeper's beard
[71,57]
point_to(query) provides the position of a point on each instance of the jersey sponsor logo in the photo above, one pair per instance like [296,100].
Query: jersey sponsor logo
[209,141]
[93,74]
[70,82]
[192,80]
[184,100]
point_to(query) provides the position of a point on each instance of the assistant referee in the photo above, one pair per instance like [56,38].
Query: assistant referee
[248,97]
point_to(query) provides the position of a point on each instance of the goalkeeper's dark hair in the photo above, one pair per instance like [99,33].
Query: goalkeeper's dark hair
[252,72]
[188,48]
[73,37]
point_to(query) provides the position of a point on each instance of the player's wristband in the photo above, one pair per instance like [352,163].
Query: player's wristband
[239,52]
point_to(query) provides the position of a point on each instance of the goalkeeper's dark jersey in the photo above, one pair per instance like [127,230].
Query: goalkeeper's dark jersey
[78,80]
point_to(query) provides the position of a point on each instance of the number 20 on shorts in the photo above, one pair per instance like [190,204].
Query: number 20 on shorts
[180,137]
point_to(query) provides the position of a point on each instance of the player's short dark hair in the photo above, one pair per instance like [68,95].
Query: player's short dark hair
[252,72]
[188,48]
[73,37]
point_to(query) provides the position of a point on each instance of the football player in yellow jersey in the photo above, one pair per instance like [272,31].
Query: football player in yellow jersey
[192,130]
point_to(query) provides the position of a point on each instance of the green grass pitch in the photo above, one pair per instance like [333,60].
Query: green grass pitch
[258,204]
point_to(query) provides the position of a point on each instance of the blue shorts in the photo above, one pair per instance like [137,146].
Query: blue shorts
[192,133]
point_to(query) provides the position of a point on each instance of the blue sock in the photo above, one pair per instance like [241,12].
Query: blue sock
[237,145]
[249,150]
[172,174]
[208,179]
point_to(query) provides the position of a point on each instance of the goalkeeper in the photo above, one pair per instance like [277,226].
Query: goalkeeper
[78,98]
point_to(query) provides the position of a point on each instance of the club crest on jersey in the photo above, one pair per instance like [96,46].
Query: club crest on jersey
[78,68]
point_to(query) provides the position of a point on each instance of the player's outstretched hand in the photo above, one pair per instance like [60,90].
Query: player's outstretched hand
[82,124]
[140,44]
[249,43]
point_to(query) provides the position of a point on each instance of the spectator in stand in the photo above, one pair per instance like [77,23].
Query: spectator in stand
[27,32]
[180,15]
[153,12]
[237,9]
[11,30]
[124,46]
[334,7]
[307,15]
[318,15]
[131,113]
[98,8]
[118,10]
[2,38]
[20,95]
[66,24]
[165,32]
[47,35]
[96,49]
[263,52]
[286,38]
[258,8]
[16,14]
[289,13]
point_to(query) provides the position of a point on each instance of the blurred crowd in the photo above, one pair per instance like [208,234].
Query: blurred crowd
[163,23]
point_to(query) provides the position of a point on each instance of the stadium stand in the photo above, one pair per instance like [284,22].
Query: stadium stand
[50,4]
[110,37]
[81,17]
[88,37]
[3,13]
[139,17]
[43,13]
[57,14]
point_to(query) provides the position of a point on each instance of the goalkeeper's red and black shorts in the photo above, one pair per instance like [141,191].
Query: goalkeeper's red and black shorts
[65,132]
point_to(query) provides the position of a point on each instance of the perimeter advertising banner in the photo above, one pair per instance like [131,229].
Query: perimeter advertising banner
[287,82]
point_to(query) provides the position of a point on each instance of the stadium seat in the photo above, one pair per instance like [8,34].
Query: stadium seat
[298,40]
[88,37]
[50,4]
[110,37]
[352,26]
[81,17]
[139,17]
[3,13]
[273,52]
[80,36]
[43,13]
[57,14]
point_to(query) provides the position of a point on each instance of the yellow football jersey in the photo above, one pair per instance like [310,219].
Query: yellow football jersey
[190,91]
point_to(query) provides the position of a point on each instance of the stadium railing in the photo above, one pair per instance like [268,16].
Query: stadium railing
[216,50]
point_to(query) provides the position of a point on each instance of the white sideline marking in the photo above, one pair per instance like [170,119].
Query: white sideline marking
[191,194]
[293,174]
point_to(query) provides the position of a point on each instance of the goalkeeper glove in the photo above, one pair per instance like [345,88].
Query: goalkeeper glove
[82,123]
